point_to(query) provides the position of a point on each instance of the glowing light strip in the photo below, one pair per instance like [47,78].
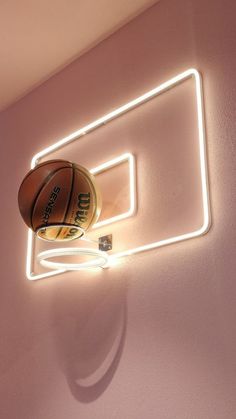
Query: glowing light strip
[106,118]
[29,261]
[111,115]
[99,258]
[132,191]
[203,169]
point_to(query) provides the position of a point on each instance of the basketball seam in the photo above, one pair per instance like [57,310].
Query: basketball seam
[38,166]
[40,190]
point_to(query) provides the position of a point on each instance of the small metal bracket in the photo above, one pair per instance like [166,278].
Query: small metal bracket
[105,243]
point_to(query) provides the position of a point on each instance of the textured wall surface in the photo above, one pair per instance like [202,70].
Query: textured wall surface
[170,315]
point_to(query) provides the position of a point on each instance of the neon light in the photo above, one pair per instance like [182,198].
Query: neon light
[108,117]
[100,259]
[111,115]
[29,262]
[203,169]
[108,165]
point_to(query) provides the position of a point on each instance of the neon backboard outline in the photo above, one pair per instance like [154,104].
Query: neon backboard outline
[115,114]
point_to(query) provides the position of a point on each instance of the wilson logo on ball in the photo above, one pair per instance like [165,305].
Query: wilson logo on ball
[83,205]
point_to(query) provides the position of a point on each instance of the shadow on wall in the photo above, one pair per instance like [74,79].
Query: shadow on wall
[90,317]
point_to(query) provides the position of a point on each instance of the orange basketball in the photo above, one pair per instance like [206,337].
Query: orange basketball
[59,200]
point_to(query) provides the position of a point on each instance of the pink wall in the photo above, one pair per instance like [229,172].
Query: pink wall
[173,311]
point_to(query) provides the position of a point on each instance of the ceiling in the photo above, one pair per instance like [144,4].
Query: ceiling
[39,38]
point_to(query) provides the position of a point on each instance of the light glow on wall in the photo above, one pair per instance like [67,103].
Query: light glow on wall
[132,193]
[108,117]
[203,168]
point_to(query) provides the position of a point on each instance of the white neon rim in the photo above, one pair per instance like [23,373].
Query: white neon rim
[100,258]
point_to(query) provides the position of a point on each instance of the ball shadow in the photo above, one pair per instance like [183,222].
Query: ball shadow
[90,333]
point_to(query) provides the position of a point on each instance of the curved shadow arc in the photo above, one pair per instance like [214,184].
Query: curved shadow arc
[90,388]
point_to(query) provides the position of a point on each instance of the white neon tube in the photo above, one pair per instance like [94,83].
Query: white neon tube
[204,178]
[111,115]
[132,187]
[99,258]
[108,117]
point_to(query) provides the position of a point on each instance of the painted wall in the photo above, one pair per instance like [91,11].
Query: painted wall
[168,316]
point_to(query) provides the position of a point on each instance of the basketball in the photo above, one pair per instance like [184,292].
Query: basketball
[59,200]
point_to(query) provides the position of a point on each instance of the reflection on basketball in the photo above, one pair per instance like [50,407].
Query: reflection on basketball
[59,200]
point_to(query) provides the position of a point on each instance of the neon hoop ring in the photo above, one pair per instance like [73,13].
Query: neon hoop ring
[100,258]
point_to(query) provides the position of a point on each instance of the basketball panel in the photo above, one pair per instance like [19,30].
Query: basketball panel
[52,202]
[33,183]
